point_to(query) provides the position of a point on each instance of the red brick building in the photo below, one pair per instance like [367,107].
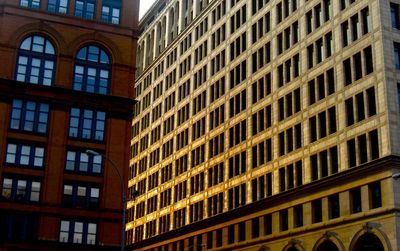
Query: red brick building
[66,85]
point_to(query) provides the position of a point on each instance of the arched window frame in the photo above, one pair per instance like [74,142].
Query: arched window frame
[92,70]
[36,61]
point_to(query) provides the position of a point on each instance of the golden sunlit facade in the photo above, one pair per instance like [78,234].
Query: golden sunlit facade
[266,125]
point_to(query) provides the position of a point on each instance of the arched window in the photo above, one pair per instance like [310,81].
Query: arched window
[327,246]
[92,70]
[368,242]
[36,61]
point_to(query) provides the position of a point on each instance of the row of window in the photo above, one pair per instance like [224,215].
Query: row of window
[28,190]
[322,210]
[361,149]
[317,16]
[36,65]
[33,117]
[110,10]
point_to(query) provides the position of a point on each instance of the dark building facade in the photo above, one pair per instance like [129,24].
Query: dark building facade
[66,86]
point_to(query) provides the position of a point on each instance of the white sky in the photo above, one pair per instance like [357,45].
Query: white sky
[144,6]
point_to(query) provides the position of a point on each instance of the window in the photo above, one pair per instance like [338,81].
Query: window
[60,6]
[111,11]
[18,226]
[81,162]
[395,14]
[20,190]
[36,61]
[29,116]
[85,8]
[30,3]
[316,208]
[355,200]
[324,163]
[92,70]
[78,232]
[237,164]
[284,220]
[237,196]
[81,196]
[375,195]
[397,55]
[87,124]
[333,206]
[25,155]
[298,217]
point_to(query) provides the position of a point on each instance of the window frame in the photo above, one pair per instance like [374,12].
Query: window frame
[71,232]
[19,116]
[92,58]
[14,191]
[78,131]
[38,52]
[18,155]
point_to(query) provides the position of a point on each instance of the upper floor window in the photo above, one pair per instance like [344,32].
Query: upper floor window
[82,162]
[78,232]
[36,61]
[85,8]
[30,3]
[92,70]
[111,11]
[20,190]
[87,124]
[395,15]
[25,155]
[29,116]
[81,196]
[60,6]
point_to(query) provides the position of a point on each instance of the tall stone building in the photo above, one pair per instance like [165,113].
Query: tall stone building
[66,86]
[267,125]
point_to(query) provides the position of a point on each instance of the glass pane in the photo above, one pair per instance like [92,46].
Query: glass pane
[93,54]
[38,44]
[64,226]
[104,58]
[94,192]
[7,188]
[81,191]
[82,55]
[78,227]
[92,228]
[26,44]
[49,48]
[22,60]
[68,189]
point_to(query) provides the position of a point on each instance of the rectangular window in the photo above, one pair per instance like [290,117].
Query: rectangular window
[334,206]
[25,155]
[85,9]
[110,14]
[394,11]
[355,200]
[316,207]
[81,162]
[81,196]
[60,6]
[284,220]
[78,232]
[21,190]
[87,124]
[29,116]
[375,195]
[298,216]
[35,4]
